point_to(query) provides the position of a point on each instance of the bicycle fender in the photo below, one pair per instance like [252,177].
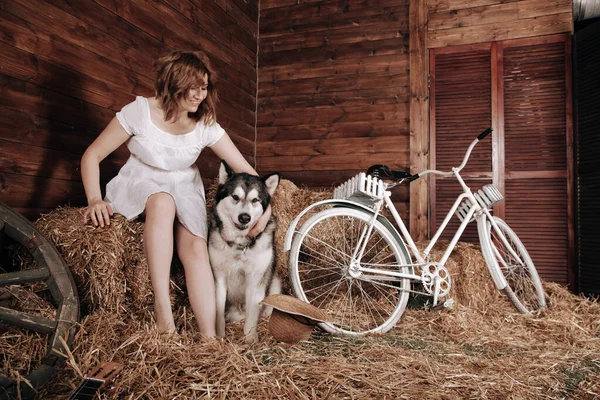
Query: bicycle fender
[490,260]
[287,244]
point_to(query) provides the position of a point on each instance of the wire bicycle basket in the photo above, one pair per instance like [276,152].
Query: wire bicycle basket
[486,197]
[362,188]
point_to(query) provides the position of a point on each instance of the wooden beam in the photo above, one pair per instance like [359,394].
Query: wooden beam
[419,117]
[498,164]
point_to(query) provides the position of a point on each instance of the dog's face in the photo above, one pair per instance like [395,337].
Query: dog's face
[242,198]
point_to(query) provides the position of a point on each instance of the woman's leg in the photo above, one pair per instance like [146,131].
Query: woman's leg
[193,253]
[158,246]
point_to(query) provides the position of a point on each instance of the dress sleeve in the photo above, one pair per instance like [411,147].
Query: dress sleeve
[131,116]
[212,134]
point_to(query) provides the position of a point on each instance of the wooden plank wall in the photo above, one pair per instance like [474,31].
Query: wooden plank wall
[333,94]
[67,67]
[455,22]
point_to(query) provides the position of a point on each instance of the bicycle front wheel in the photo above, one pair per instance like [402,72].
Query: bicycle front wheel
[323,272]
[504,252]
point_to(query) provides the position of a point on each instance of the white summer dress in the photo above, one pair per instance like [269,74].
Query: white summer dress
[161,162]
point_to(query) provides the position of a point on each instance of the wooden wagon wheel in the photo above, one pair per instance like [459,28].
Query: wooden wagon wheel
[55,273]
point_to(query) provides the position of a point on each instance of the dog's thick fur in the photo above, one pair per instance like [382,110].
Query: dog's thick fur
[243,267]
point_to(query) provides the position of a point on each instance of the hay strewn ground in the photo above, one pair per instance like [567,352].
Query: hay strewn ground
[481,349]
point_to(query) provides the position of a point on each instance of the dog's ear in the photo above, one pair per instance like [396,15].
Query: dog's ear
[271,181]
[224,172]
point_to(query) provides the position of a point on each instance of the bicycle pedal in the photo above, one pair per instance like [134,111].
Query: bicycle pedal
[446,304]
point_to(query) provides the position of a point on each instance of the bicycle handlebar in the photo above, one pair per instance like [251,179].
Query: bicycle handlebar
[385,173]
[481,136]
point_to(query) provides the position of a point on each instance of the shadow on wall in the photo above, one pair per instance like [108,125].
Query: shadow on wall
[71,125]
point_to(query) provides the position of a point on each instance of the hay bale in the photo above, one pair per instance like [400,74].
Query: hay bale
[480,349]
[95,256]
[288,201]
[108,264]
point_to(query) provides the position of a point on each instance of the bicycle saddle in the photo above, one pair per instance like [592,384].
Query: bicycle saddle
[385,173]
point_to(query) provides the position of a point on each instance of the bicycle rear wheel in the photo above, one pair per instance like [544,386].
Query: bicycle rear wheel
[524,287]
[320,262]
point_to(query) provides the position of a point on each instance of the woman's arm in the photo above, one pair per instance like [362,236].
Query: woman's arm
[109,140]
[226,150]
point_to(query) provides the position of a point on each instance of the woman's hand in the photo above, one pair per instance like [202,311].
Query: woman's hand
[261,223]
[99,213]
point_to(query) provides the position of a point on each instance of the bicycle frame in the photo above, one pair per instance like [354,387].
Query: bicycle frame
[424,258]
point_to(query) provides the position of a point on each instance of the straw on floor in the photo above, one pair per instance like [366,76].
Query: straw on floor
[480,349]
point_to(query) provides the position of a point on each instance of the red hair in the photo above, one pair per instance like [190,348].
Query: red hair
[178,72]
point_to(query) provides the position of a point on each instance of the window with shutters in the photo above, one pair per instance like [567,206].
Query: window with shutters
[521,88]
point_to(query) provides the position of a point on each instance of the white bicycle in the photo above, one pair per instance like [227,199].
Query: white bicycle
[350,260]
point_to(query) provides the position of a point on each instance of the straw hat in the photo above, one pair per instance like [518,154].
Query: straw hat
[292,319]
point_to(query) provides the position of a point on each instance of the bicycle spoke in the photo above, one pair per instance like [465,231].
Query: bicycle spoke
[367,303]
[328,246]
[319,277]
[380,263]
[336,290]
[373,246]
[383,294]
[348,299]
[336,286]
[335,266]
[306,291]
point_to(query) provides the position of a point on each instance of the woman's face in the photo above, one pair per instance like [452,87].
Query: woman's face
[194,96]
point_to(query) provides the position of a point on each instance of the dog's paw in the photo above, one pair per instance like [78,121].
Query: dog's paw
[220,328]
[251,338]
[221,332]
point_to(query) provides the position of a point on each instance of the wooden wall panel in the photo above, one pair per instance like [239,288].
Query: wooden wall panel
[456,22]
[333,89]
[67,67]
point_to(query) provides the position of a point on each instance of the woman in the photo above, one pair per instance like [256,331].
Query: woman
[165,135]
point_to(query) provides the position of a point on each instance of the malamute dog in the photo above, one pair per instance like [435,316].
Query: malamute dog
[243,267]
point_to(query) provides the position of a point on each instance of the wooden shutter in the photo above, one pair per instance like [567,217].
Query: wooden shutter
[587,111]
[521,88]
[535,158]
[460,94]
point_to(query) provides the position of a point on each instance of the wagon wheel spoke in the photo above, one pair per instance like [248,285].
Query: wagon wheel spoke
[51,269]
[24,320]
[24,277]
